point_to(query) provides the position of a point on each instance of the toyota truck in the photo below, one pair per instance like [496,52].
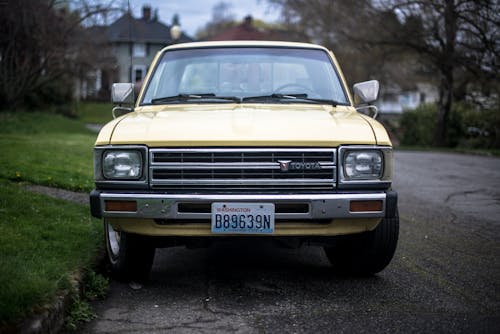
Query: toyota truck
[245,139]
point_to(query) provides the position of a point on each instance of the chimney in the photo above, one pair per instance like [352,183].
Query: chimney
[247,22]
[146,13]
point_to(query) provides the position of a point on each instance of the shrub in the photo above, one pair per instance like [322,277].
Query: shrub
[55,96]
[418,126]
[468,126]
[482,128]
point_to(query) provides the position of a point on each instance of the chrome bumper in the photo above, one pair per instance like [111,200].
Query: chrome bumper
[166,206]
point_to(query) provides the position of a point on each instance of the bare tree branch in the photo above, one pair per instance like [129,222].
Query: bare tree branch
[39,46]
[456,39]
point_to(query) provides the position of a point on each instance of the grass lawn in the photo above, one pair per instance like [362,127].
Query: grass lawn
[46,149]
[95,112]
[42,240]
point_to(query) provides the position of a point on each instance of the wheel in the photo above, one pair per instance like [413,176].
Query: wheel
[130,256]
[367,253]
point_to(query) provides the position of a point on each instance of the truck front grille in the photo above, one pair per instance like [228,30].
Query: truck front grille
[243,168]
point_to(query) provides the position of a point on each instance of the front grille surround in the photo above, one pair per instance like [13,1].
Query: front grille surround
[242,168]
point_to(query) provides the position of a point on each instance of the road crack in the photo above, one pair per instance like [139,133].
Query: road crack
[464,193]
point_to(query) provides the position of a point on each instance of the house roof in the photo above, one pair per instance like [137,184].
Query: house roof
[128,28]
[243,31]
[97,33]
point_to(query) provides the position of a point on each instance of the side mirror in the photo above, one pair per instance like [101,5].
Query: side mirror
[366,92]
[122,93]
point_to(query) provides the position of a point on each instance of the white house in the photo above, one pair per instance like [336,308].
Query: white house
[394,100]
[127,47]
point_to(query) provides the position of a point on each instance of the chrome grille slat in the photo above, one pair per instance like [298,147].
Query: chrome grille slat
[241,168]
[163,175]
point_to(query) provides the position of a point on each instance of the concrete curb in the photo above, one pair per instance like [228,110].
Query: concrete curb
[51,320]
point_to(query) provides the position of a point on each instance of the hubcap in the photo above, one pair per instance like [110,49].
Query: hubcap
[114,241]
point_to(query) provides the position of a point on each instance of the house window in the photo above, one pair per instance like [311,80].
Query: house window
[138,73]
[139,50]
[422,97]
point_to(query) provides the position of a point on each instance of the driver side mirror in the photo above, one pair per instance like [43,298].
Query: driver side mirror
[122,93]
[366,92]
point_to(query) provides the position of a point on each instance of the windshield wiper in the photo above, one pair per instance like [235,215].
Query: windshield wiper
[212,96]
[187,97]
[292,97]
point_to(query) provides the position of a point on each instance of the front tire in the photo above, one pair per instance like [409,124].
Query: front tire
[129,255]
[367,253]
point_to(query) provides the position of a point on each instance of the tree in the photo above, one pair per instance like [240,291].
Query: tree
[42,49]
[332,22]
[221,12]
[456,40]
[222,18]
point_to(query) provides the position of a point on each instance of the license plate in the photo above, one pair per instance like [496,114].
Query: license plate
[243,218]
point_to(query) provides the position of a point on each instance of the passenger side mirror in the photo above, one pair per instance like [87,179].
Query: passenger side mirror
[122,93]
[366,92]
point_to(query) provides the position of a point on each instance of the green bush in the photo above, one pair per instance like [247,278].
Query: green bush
[418,126]
[56,96]
[482,128]
[468,126]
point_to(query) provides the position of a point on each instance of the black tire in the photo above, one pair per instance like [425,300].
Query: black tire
[129,255]
[367,253]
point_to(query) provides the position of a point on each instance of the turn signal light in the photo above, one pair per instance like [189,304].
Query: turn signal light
[123,206]
[365,206]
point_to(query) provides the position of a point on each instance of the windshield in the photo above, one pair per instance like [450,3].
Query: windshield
[231,74]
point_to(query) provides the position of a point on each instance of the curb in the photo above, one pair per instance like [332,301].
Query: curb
[51,319]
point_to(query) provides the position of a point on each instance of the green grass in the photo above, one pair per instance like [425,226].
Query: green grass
[79,313]
[42,241]
[95,112]
[95,286]
[46,149]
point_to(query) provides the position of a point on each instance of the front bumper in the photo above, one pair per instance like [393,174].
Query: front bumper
[197,206]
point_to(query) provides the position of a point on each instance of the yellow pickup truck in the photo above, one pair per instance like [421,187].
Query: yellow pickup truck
[245,139]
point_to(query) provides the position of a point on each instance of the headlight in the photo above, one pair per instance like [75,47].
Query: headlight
[122,165]
[363,165]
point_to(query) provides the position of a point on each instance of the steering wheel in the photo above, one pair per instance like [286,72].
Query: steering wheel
[300,89]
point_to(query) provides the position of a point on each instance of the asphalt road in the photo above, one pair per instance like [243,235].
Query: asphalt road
[445,276]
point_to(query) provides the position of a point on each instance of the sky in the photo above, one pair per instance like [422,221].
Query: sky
[194,14]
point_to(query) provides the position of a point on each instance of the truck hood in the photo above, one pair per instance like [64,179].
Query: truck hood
[240,125]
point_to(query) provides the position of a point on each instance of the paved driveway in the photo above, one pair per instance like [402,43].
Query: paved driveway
[445,276]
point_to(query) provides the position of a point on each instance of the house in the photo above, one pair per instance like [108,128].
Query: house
[126,48]
[246,30]
[395,100]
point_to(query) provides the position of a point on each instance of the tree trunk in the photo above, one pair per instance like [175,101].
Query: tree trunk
[444,107]
[446,68]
